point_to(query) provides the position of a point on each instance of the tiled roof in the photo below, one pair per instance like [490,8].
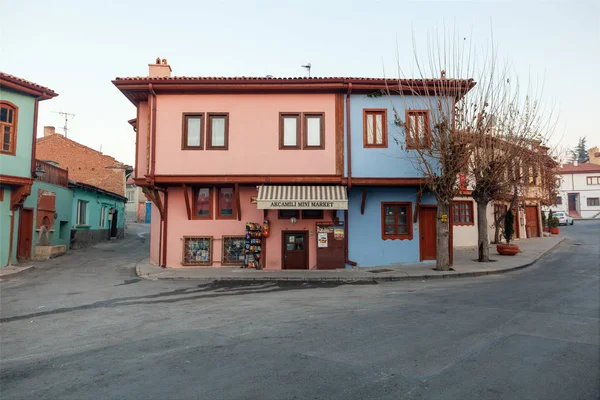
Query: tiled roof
[581,168]
[286,79]
[27,84]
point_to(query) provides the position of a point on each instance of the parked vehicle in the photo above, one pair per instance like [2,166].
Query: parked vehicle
[563,218]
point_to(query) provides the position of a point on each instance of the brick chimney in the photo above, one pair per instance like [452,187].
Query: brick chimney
[159,69]
[594,155]
[49,131]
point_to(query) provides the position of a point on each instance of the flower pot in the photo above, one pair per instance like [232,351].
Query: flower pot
[555,231]
[507,249]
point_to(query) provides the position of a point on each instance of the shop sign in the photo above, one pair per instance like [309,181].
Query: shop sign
[302,205]
[325,228]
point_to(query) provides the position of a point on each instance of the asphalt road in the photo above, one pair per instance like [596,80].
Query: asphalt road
[84,326]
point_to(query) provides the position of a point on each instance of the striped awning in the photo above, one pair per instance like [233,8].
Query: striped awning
[302,198]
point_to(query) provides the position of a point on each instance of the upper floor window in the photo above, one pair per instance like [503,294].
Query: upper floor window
[593,180]
[462,211]
[193,131]
[375,128]
[289,131]
[218,131]
[202,203]
[314,131]
[396,221]
[130,195]
[8,128]
[418,130]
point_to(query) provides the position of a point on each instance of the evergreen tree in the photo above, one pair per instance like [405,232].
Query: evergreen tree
[580,153]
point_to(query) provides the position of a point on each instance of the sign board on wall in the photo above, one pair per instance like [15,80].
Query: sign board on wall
[322,239]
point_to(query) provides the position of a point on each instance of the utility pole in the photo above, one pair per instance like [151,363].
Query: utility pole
[66,115]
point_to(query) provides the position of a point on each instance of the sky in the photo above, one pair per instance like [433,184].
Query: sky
[77,47]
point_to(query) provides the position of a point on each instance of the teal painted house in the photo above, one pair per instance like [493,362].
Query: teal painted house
[19,101]
[97,214]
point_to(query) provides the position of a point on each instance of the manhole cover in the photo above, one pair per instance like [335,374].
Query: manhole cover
[378,271]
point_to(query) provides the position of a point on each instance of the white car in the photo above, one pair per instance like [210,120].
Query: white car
[563,218]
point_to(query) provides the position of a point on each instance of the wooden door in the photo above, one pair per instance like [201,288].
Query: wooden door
[331,256]
[572,201]
[294,250]
[25,234]
[531,221]
[427,232]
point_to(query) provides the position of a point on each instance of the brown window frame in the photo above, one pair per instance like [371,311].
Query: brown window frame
[589,180]
[593,198]
[14,125]
[305,116]
[384,132]
[558,201]
[210,251]
[209,116]
[413,143]
[282,116]
[304,216]
[184,130]
[195,202]
[409,217]
[459,222]
[218,206]
[229,262]
[297,216]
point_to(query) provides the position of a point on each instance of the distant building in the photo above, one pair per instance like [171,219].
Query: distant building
[579,193]
[135,209]
[85,164]
[19,101]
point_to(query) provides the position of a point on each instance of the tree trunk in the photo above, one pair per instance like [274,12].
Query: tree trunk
[442,260]
[483,241]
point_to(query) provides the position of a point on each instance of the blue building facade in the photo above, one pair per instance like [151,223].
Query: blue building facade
[390,220]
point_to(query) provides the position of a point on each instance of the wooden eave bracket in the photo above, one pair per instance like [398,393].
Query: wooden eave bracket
[237,202]
[154,196]
[188,206]
[363,203]
[19,195]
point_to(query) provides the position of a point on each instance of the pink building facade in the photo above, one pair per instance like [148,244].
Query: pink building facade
[220,158]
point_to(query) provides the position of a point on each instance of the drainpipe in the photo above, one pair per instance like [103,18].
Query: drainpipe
[165,224]
[34,139]
[153,133]
[349,161]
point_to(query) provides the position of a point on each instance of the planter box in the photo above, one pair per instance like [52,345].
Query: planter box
[507,249]
[555,231]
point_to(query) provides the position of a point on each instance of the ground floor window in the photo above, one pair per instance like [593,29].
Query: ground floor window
[396,221]
[81,212]
[197,250]
[462,211]
[225,201]
[287,214]
[499,211]
[233,250]
[202,199]
[102,217]
[593,201]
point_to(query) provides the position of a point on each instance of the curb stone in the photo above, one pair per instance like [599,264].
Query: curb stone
[21,271]
[347,280]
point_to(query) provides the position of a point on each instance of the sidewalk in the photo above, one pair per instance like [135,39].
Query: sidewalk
[13,270]
[464,266]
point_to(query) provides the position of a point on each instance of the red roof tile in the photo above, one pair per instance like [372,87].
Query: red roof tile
[579,169]
[19,83]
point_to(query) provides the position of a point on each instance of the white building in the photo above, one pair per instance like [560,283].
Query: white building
[579,192]
[135,208]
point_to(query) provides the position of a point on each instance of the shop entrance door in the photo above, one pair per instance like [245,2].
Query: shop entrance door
[330,250]
[294,250]
[427,232]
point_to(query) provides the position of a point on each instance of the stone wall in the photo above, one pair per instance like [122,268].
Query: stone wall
[87,237]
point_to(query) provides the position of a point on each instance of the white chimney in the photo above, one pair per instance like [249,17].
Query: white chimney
[575,163]
[49,131]
[159,69]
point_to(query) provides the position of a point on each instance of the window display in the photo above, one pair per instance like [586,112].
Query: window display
[197,250]
[233,250]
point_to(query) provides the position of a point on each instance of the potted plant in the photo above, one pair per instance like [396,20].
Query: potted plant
[508,249]
[553,223]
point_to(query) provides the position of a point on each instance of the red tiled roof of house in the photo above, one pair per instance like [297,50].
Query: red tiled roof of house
[20,84]
[299,79]
[579,169]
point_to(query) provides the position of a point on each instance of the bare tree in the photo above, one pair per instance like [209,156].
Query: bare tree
[478,130]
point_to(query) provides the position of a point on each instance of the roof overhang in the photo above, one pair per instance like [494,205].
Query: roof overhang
[138,89]
[23,86]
